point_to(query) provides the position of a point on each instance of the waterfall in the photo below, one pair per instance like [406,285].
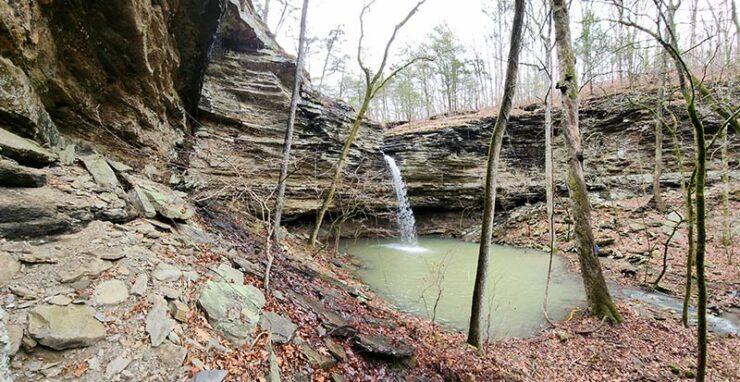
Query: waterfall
[406,221]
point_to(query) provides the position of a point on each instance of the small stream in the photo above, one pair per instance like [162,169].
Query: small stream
[441,272]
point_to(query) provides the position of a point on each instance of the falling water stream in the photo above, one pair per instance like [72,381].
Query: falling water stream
[405,216]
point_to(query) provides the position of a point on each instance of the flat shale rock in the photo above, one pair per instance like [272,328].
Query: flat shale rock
[64,327]
[281,328]
[101,171]
[381,346]
[167,272]
[24,151]
[158,323]
[171,355]
[317,359]
[167,203]
[210,376]
[13,175]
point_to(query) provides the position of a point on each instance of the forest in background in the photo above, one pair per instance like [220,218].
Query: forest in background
[469,75]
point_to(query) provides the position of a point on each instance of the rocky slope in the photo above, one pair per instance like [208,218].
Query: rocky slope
[443,160]
[101,263]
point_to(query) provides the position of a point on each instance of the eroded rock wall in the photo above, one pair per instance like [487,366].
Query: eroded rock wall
[443,160]
[116,74]
[190,87]
[243,116]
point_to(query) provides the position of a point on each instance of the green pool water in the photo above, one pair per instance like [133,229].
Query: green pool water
[441,271]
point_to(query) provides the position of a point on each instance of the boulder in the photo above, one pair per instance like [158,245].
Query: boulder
[24,151]
[101,171]
[8,268]
[167,203]
[281,328]
[233,310]
[13,175]
[64,327]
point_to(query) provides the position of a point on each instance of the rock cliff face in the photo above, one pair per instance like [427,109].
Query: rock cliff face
[198,88]
[119,75]
[243,114]
[443,160]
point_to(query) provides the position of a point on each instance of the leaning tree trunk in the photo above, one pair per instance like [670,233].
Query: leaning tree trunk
[373,85]
[700,172]
[329,197]
[494,150]
[288,142]
[658,169]
[597,293]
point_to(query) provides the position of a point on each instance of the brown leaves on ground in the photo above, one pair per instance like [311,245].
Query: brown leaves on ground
[649,346]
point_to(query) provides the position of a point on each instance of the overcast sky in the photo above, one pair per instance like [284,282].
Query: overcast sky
[465,18]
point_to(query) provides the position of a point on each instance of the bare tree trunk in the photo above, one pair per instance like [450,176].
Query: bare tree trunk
[266,12]
[340,166]
[599,300]
[288,142]
[658,160]
[549,182]
[691,255]
[689,95]
[494,150]
[701,239]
